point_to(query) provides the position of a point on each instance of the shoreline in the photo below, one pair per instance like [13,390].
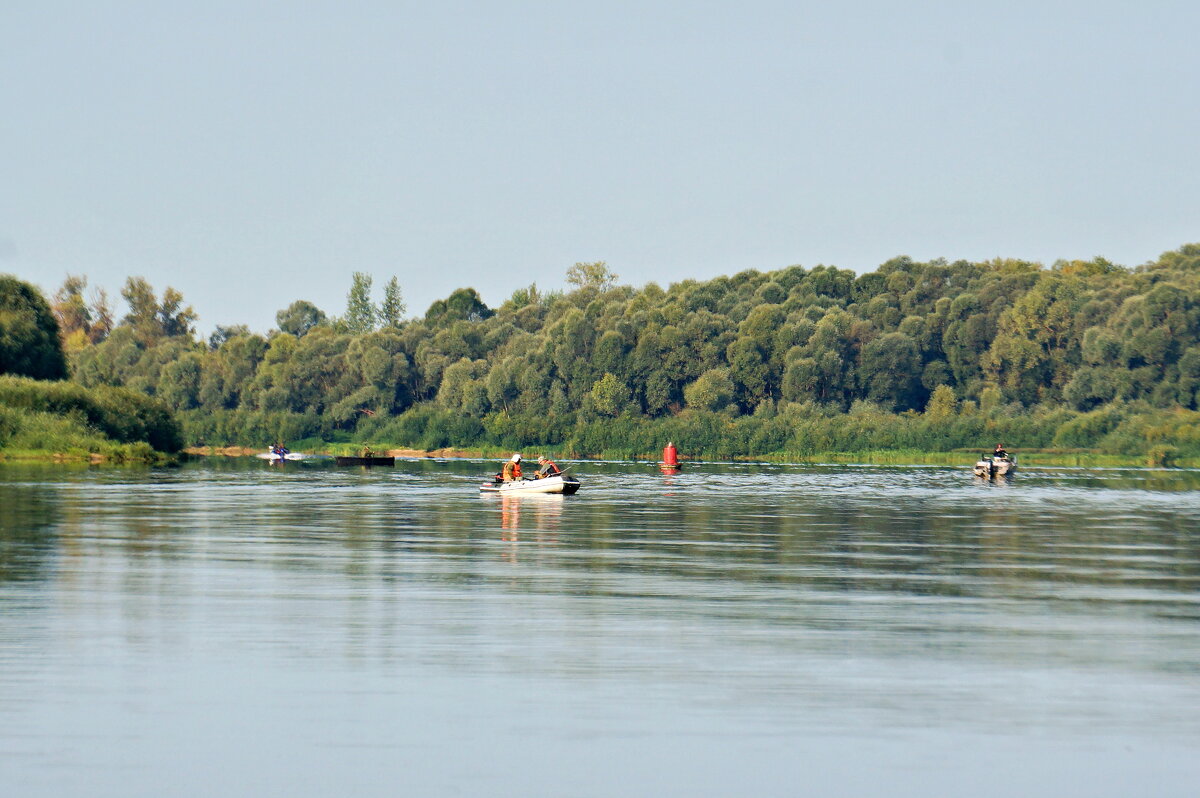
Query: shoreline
[965,458]
[88,458]
[1031,459]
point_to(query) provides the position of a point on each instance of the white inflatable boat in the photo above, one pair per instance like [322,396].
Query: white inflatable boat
[563,483]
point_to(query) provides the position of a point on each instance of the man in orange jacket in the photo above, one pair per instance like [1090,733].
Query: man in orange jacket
[512,469]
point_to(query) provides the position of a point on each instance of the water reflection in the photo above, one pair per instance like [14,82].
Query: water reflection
[774,601]
[29,518]
[541,512]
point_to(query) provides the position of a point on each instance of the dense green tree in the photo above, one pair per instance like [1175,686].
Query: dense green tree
[749,370]
[228,372]
[299,317]
[890,371]
[712,390]
[179,382]
[151,319]
[943,405]
[463,388]
[1037,345]
[609,395]
[592,275]
[374,380]
[29,333]
[173,317]
[222,334]
[463,304]
[143,307]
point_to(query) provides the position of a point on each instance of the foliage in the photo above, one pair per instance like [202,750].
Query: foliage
[152,319]
[391,310]
[299,317]
[712,390]
[28,433]
[919,355]
[118,414]
[361,315]
[592,275]
[29,333]
[609,395]
[79,322]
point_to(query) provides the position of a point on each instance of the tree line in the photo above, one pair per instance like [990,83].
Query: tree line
[998,347]
[42,413]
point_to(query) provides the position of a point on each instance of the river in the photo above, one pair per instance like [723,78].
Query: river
[237,629]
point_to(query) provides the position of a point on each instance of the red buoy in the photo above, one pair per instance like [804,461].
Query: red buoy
[670,456]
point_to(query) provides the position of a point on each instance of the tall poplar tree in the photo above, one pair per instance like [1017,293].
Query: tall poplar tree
[391,312]
[360,312]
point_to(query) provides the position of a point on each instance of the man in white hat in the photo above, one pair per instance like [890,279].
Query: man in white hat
[512,469]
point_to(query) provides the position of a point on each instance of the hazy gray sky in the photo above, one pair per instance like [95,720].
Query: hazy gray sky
[251,154]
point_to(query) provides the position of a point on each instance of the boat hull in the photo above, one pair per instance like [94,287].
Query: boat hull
[995,468]
[561,485]
[290,457]
[365,461]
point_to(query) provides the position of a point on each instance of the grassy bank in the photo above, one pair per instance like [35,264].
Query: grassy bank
[44,420]
[962,457]
[1119,434]
[34,435]
[1035,459]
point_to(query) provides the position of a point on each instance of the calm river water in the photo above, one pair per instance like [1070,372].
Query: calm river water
[234,629]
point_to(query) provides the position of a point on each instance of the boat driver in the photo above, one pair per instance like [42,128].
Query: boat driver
[547,468]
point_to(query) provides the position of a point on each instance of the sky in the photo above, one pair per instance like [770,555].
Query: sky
[251,154]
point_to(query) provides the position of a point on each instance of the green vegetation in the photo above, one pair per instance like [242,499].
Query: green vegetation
[1083,357]
[38,418]
[29,343]
[36,435]
[41,415]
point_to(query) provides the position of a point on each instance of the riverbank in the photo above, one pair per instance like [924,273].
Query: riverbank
[87,457]
[1034,458]
[338,450]
[32,436]
[959,457]
[61,421]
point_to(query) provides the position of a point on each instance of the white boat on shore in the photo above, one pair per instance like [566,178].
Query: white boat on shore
[563,483]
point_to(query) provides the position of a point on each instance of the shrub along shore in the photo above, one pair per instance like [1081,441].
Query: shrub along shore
[1050,458]
[1119,434]
[54,420]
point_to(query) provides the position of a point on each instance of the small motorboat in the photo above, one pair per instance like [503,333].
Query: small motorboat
[562,483]
[279,457]
[990,467]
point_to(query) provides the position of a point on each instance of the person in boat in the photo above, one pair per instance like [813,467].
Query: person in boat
[547,468]
[999,453]
[512,469]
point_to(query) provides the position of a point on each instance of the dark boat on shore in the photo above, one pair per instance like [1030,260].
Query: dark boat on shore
[365,461]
